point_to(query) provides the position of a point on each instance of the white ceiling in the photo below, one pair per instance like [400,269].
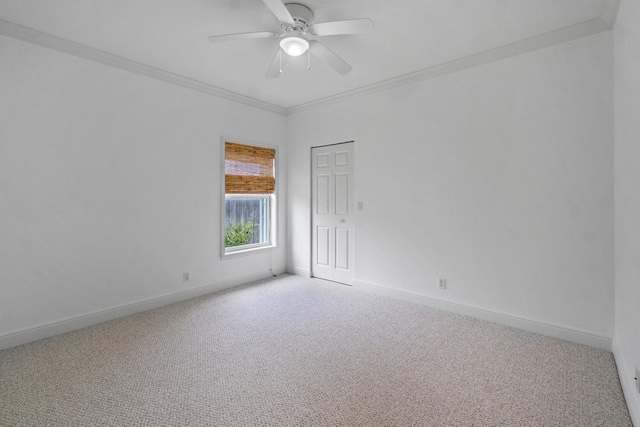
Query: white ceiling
[410,36]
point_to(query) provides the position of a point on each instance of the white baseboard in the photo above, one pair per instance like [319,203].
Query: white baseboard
[547,329]
[628,385]
[46,330]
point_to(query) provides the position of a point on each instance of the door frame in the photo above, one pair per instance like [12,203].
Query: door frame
[352,208]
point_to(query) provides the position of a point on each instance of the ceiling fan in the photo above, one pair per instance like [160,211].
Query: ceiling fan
[298,35]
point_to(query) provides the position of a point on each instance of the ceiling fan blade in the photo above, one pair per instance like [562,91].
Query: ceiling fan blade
[333,60]
[350,26]
[242,36]
[275,69]
[278,8]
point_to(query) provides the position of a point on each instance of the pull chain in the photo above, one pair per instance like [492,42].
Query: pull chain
[308,60]
[280,56]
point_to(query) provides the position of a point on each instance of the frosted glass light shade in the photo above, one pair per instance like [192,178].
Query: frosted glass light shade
[294,46]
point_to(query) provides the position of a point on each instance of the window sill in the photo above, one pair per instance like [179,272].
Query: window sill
[245,252]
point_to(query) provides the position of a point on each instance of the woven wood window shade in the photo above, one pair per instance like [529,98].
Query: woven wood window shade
[249,169]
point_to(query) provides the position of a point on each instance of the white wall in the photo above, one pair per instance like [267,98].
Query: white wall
[627,199]
[110,187]
[498,178]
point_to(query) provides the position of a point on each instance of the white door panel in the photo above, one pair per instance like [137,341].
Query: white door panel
[322,195]
[332,199]
[342,193]
[324,160]
[323,246]
[342,158]
[342,248]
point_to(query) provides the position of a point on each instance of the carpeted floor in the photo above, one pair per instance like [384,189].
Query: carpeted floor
[295,351]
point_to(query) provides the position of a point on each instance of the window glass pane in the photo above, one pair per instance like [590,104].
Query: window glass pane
[247,220]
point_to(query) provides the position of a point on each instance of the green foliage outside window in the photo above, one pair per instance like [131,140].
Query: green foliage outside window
[239,233]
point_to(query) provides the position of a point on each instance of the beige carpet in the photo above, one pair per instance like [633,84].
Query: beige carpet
[299,351]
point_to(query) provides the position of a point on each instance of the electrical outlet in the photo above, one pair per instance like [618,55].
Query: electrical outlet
[442,283]
[185,276]
[638,379]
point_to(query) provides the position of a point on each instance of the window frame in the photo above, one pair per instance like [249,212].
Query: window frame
[270,200]
[235,251]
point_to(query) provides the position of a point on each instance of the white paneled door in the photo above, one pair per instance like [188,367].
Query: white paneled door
[332,212]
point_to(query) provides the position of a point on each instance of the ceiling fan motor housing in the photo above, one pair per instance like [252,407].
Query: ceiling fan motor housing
[301,15]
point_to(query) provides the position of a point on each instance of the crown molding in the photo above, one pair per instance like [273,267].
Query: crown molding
[49,41]
[610,12]
[566,34]
[605,22]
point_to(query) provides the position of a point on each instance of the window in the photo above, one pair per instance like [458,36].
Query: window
[249,178]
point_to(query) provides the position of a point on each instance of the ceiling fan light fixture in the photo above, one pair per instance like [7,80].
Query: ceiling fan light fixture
[294,46]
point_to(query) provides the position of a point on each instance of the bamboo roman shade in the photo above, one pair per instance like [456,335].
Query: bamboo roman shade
[249,169]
